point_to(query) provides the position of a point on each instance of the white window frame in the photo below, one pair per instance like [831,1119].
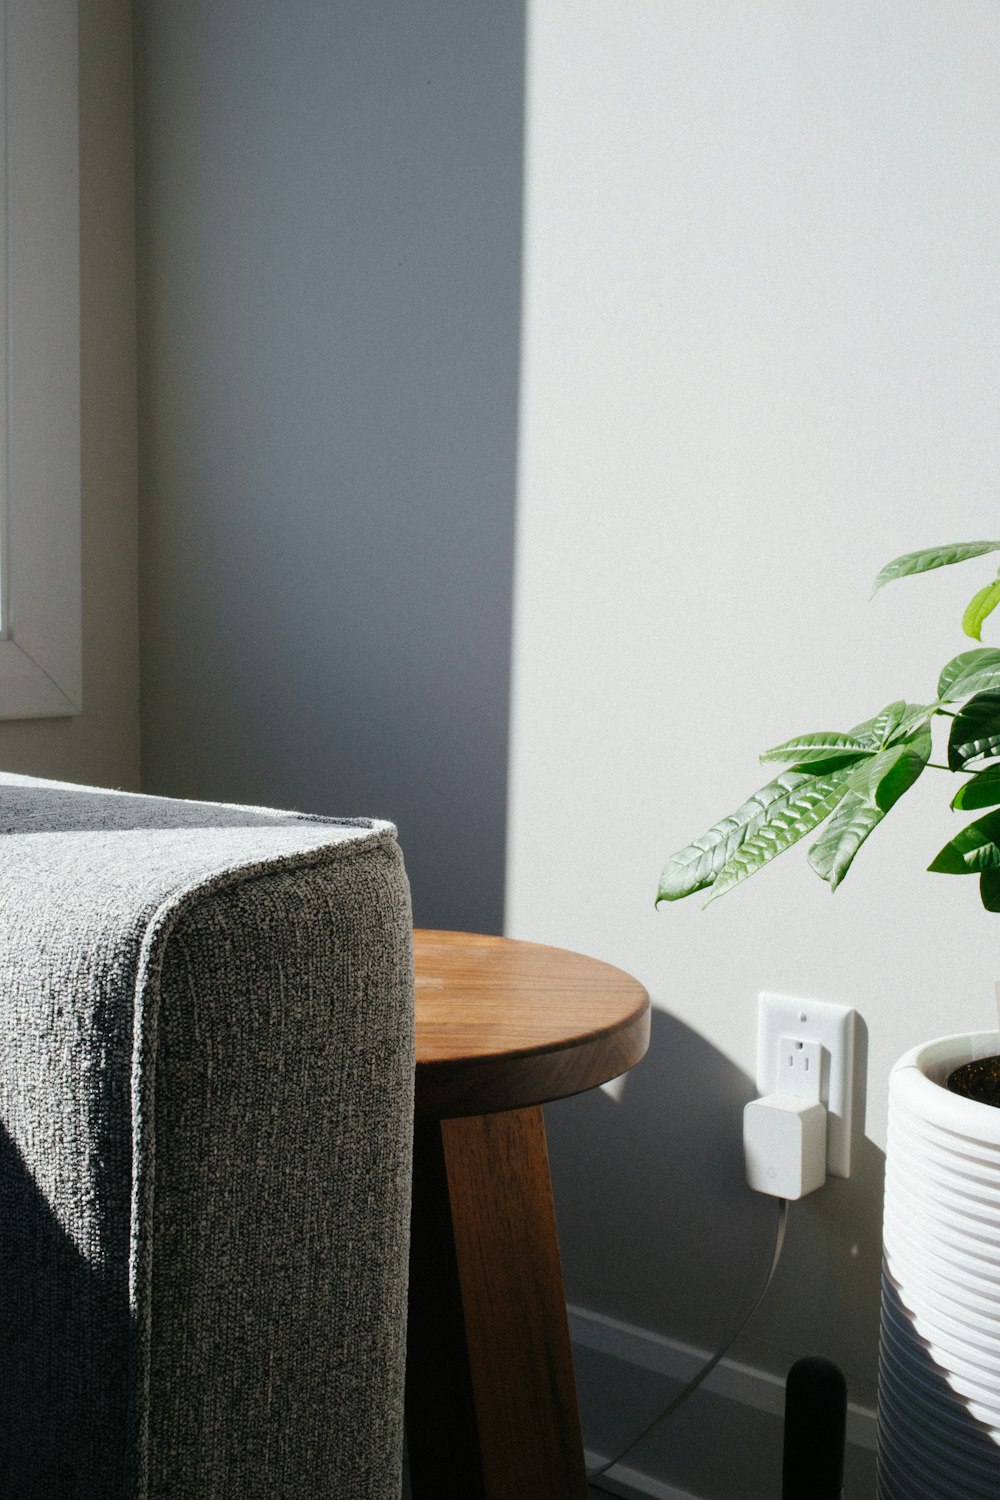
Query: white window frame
[41,667]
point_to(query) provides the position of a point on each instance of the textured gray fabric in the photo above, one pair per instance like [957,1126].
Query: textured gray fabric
[206,1072]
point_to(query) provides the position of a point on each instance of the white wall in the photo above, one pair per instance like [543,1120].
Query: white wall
[101,745]
[760,357]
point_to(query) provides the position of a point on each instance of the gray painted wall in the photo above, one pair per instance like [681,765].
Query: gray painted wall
[101,745]
[329,269]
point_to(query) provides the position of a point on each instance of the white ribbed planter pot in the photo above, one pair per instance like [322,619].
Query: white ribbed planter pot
[939,1374]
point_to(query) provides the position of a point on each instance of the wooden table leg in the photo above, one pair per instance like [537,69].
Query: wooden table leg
[490,1392]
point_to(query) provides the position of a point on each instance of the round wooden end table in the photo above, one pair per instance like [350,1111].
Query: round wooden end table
[501,1026]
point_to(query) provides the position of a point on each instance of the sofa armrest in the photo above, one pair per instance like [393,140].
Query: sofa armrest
[206,1072]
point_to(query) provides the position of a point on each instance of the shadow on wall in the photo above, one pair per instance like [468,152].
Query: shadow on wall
[65,1336]
[658,1228]
[329,205]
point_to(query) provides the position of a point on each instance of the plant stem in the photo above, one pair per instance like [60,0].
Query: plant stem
[932,765]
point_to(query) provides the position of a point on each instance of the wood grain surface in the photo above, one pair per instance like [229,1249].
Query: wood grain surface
[491,1398]
[502,1024]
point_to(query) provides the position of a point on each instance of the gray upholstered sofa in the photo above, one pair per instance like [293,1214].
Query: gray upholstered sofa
[206,1076]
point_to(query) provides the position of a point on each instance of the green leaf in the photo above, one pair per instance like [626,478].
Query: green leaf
[931,557]
[971,851]
[982,791]
[917,716]
[872,790]
[975,731]
[785,825]
[874,733]
[883,779]
[895,723]
[971,672]
[696,866]
[979,609]
[806,749]
[843,836]
[989,889]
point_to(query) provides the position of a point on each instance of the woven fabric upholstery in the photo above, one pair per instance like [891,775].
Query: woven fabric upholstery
[206,1073]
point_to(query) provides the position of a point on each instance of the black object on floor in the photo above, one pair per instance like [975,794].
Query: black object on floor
[815,1431]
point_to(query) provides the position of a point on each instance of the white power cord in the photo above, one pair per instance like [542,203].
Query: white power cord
[710,1364]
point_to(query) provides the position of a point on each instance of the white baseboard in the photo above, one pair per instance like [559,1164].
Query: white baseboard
[652,1352]
[630,1484]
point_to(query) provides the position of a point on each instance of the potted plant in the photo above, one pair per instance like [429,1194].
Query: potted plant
[939,1375]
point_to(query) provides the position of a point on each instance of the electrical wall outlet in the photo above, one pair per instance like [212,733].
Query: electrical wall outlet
[800,1068]
[805,1048]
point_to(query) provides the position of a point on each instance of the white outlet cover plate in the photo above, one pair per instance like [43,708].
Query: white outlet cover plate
[833,1027]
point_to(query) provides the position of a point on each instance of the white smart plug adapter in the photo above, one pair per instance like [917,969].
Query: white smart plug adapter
[784,1145]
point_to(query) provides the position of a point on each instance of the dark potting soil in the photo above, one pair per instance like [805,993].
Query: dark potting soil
[977,1080]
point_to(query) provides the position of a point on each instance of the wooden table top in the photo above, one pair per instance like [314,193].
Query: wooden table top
[503,1024]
